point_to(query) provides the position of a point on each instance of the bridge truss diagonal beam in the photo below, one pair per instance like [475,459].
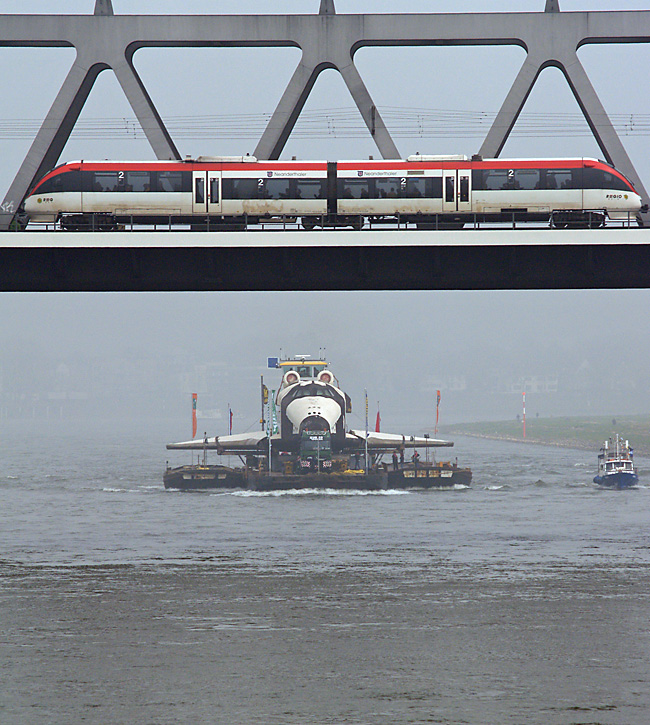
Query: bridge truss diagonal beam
[284,119]
[590,104]
[327,40]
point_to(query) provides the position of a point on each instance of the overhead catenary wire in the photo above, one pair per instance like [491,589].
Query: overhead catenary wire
[343,123]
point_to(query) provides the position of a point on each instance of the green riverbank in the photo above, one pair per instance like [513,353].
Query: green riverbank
[582,433]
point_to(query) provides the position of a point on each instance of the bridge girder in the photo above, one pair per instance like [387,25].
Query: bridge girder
[106,41]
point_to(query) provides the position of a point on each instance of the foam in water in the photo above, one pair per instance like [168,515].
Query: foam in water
[317,492]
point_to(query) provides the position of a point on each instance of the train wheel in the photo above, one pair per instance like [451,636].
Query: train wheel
[308,224]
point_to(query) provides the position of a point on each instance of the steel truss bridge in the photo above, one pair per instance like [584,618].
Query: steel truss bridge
[359,260]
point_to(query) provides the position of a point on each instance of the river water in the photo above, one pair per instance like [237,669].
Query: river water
[522,599]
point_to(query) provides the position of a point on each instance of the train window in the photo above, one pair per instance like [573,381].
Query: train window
[310,188]
[416,188]
[171,181]
[239,188]
[561,179]
[527,179]
[388,188]
[67,181]
[276,189]
[434,187]
[214,191]
[105,181]
[477,180]
[199,190]
[463,187]
[354,189]
[494,179]
[138,181]
[599,179]
[450,183]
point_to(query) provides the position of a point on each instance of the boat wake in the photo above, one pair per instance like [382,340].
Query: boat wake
[317,492]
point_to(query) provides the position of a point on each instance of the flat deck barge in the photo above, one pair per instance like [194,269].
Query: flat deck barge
[201,477]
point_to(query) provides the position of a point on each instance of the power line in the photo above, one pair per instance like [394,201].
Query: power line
[340,123]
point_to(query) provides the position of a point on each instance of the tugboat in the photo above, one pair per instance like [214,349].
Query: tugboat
[616,467]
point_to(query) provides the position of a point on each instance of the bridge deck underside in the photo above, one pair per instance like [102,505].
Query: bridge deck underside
[205,262]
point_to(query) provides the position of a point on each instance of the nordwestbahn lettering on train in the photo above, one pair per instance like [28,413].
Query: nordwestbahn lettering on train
[425,191]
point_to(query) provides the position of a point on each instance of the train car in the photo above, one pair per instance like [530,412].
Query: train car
[425,191]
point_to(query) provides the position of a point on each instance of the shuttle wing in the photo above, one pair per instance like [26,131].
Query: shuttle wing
[390,441]
[240,442]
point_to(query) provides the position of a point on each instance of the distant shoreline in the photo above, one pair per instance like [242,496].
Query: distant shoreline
[583,434]
[578,445]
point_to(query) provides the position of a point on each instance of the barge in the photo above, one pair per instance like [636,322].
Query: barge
[305,444]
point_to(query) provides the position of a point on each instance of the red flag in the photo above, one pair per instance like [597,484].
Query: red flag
[378,423]
[193,415]
[437,409]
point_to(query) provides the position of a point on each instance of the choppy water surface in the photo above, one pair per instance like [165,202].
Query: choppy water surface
[523,599]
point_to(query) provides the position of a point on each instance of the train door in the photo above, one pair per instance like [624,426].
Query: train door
[456,190]
[206,192]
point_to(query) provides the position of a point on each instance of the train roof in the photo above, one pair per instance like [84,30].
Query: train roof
[414,158]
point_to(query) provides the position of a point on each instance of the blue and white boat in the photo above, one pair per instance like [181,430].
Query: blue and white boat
[616,465]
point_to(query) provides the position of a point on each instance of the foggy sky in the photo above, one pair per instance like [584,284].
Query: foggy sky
[399,346]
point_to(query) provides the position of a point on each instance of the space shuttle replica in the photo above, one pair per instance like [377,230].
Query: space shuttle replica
[306,427]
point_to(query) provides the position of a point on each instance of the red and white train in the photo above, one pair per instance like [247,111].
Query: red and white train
[427,191]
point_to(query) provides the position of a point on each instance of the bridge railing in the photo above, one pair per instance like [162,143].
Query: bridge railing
[591,219]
